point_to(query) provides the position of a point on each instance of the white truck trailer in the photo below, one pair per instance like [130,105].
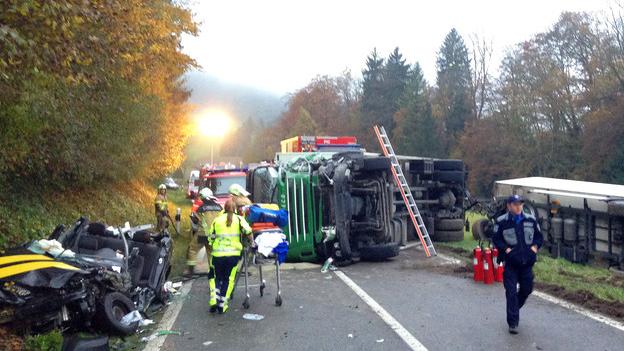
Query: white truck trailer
[580,220]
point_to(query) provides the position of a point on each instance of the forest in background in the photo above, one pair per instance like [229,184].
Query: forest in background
[92,110]
[91,91]
[555,107]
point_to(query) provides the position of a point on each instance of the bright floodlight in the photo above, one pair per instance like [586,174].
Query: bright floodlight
[213,123]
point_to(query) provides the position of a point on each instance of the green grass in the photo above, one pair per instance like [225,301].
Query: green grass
[52,341]
[599,281]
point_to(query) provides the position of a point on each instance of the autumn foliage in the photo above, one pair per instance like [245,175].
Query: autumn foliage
[91,90]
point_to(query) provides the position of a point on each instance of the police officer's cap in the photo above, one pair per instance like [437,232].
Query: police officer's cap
[515,198]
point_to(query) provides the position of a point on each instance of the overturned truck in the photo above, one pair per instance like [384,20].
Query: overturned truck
[343,202]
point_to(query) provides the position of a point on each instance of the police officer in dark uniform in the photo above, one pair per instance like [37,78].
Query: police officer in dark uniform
[518,238]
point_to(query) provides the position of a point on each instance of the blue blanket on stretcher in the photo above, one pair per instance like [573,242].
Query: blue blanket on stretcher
[258,214]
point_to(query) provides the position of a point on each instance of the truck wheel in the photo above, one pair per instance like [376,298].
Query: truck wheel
[479,228]
[376,164]
[450,224]
[449,176]
[379,252]
[448,165]
[111,310]
[449,235]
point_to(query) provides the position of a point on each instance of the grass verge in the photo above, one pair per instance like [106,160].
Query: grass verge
[561,277]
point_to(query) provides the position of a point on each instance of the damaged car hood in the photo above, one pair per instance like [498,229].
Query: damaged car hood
[35,270]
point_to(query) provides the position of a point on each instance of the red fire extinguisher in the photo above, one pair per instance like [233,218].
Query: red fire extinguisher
[477,264]
[495,263]
[500,271]
[488,270]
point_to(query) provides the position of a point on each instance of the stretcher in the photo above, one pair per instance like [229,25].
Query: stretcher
[251,255]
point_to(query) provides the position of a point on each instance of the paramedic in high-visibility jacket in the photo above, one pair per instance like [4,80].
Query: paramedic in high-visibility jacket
[225,238]
[517,236]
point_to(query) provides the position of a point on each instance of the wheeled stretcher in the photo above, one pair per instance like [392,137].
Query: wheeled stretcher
[251,255]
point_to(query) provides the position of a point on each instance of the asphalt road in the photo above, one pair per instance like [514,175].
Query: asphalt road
[442,308]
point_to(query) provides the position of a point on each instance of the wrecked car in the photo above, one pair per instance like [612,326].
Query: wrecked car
[98,277]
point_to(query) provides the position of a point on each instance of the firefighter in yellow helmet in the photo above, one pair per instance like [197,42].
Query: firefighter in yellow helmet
[161,209]
[225,239]
[239,196]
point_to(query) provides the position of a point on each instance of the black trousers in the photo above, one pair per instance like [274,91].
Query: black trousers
[225,276]
[516,298]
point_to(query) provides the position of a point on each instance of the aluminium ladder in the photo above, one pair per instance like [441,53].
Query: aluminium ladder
[406,192]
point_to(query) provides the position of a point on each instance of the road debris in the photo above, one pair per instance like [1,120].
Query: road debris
[380,340]
[253,317]
[350,336]
[207,343]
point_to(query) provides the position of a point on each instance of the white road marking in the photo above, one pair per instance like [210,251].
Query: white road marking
[578,309]
[409,339]
[565,304]
[169,318]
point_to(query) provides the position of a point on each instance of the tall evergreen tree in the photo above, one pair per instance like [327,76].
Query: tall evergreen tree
[416,132]
[395,80]
[454,81]
[383,85]
[373,101]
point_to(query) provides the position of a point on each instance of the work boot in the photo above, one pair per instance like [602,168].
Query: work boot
[513,330]
[220,309]
[213,308]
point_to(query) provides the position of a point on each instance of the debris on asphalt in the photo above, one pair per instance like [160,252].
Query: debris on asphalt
[132,317]
[380,340]
[253,317]
[350,336]
[207,343]
[136,317]
[326,265]
[172,288]
[160,333]
[328,277]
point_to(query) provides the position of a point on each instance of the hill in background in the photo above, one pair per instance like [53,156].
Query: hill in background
[241,101]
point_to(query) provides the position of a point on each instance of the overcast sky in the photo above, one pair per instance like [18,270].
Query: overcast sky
[279,45]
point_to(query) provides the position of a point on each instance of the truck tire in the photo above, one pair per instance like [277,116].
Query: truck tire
[448,165]
[479,229]
[450,224]
[449,176]
[379,252]
[376,164]
[449,235]
[112,308]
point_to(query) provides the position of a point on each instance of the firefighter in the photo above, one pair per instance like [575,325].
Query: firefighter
[161,209]
[205,204]
[518,238]
[225,239]
[239,196]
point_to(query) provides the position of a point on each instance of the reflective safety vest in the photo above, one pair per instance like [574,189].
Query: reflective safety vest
[226,241]
[161,202]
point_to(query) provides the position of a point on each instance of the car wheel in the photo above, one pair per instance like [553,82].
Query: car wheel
[450,224]
[448,235]
[113,307]
[379,252]
[479,228]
